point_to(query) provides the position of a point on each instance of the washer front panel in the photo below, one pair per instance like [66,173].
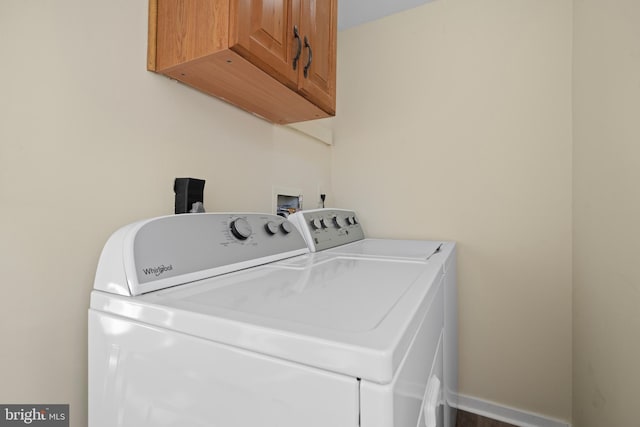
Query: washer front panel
[147,376]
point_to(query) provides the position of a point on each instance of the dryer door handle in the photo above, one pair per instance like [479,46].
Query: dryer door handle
[431,400]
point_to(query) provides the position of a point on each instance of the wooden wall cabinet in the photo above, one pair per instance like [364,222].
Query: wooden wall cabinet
[273,58]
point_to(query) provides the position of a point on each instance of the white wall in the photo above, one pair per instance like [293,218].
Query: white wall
[606,211]
[454,122]
[90,141]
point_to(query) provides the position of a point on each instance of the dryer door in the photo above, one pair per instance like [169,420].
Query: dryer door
[432,414]
[401,402]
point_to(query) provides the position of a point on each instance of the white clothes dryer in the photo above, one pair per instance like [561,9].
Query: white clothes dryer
[227,320]
[338,232]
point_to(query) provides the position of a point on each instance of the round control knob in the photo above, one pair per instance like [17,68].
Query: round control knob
[271,227]
[286,227]
[338,221]
[241,228]
[354,220]
[316,224]
[322,223]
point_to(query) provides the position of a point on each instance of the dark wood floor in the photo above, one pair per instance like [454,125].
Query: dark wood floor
[467,419]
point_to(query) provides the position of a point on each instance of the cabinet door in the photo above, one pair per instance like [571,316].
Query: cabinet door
[262,32]
[318,22]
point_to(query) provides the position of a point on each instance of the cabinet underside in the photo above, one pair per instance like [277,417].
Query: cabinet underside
[244,85]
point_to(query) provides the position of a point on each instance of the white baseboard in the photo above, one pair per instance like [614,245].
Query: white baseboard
[506,414]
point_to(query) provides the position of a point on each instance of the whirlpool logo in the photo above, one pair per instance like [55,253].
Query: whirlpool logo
[157,271]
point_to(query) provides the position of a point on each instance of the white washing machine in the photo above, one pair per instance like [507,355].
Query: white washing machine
[228,320]
[338,232]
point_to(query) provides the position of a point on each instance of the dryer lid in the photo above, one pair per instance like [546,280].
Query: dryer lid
[416,250]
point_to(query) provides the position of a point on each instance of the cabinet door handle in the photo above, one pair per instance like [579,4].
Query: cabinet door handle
[308,65]
[296,35]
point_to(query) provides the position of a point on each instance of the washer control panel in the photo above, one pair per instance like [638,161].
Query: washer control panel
[168,251]
[327,228]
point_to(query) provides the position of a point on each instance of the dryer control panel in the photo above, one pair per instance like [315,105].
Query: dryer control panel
[167,251]
[327,228]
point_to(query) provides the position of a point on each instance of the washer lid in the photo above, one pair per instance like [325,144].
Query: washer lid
[350,315]
[345,295]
